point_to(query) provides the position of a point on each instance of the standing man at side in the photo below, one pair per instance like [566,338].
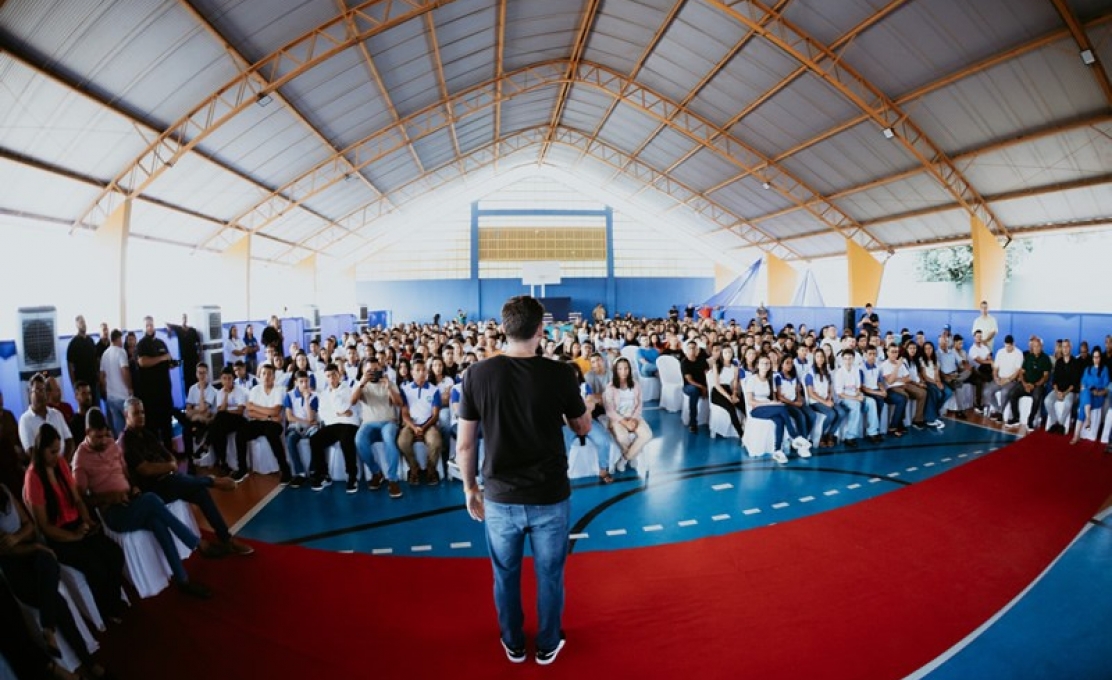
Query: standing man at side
[986,324]
[81,359]
[153,386]
[522,400]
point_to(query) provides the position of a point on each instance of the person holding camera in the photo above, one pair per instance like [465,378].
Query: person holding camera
[153,384]
[378,397]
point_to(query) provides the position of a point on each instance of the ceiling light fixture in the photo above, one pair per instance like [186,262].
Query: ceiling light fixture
[889,133]
[1088,57]
[767,185]
[263,99]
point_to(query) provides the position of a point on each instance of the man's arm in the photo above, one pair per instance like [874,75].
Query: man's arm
[468,459]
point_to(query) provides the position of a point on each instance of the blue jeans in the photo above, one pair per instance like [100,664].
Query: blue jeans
[694,394]
[597,436]
[831,420]
[936,397]
[778,414]
[293,438]
[195,491]
[116,415]
[851,413]
[803,418]
[385,432]
[147,511]
[547,527]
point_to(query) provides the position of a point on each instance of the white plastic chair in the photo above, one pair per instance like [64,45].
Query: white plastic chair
[146,566]
[719,423]
[671,384]
[69,659]
[760,435]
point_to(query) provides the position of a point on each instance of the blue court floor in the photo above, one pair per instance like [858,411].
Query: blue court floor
[689,486]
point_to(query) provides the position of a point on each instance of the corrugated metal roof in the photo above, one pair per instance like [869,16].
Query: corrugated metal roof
[157,61]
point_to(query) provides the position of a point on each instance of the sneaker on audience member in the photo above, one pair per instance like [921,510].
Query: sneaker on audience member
[395,489]
[352,485]
[284,480]
[375,482]
[317,484]
[414,477]
[779,456]
[937,424]
[514,654]
[237,547]
[546,657]
[238,476]
[297,482]
[804,451]
[432,477]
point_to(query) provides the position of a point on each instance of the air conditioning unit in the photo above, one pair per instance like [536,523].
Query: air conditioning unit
[208,322]
[364,310]
[37,341]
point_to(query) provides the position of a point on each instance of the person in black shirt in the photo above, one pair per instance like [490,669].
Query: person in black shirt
[693,367]
[153,386]
[83,395]
[81,359]
[189,348]
[870,321]
[1065,381]
[522,399]
[272,336]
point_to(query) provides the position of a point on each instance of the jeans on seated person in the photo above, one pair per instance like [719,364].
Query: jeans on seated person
[384,431]
[1049,405]
[850,411]
[832,417]
[294,435]
[193,490]
[694,394]
[778,414]
[547,528]
[597,436]
[803,418]
[898,403]
[147,511]
[871,407]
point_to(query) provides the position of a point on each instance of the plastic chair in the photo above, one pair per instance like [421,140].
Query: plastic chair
[146,566]
[671,384]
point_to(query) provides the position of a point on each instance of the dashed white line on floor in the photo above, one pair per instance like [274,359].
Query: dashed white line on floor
[777,506]
[930,464]
[576,537]
[347,552]
[913,469]
[722,487]
[420,548]
[719,518]
[874,480]
[751,511]
[382,551]
[653,527]
[832,492]
[854,486]
[615,532]
[963,455]
[460,545]
[893,474]
[806,499]
[688,522]
[947,459]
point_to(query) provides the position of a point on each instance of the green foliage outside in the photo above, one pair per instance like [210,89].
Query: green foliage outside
[954,264]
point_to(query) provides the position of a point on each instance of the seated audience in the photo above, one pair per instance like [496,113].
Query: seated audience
[876,390]
[1031,382]
[301,422]
[983,376]
[725,386]
[83,395]
[925,363]
[597,435]
[13,458]
[850,400]
[339,423]
[1093,395]
[200,409]
[264,419]
[38,413]
[420,416]
[646,358]
[760,396]
[377,398]
[622,403]
[1065,383]
[231,401]
[820,391]
[789,391]
[693,369]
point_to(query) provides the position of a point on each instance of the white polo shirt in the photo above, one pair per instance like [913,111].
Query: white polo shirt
[231,400]
[421,399]
[113,363]
[195,396]
[897,369]
[30,422]
[259,396]
[1008,363]
[847,383]
[334,401]
[300,405]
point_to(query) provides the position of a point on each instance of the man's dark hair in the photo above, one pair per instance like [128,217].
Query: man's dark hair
[521,316]
[95,420]
[79,384]
[203,365]
[228,370]
[331,368]
[301,374]
[115,335]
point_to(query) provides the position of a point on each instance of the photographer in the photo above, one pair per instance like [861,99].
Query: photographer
[378,398]
[153,384]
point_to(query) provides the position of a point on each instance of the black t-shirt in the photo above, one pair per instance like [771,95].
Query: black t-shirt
[871,322]
[189,344]
[154,382]
[521,404]
[697,369]
[82,353]
[142,446]
[272,337]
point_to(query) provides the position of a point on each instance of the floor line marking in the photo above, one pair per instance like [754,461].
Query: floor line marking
[874,480]
[653,527]
[777,506]
[615,532]
[913,468]
[420,548]
[719,518]
[722,487]
[806,499]
[963,455]
[688,522]
[577,537]
[382,551]
[947,459]
[461,544]
[751,511]
[235,528]
[832,492]
[854,486]
[930,464]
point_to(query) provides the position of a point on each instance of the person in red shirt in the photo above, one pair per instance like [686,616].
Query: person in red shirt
[51,494]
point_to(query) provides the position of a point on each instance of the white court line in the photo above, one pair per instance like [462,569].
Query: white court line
[874,480]
[420,548]
[576,537]
[653,527]
[382,551]
[947,459]
[969,639]
[615,532]
[688,522]
[930,464]
[719,518]
[806,499]
[777,506]
[461,544]
[912,469]
[347,552]
[963,455]
[751,511]
[235,528]
[832,492]
[854,486]
[893,474]
[722,487]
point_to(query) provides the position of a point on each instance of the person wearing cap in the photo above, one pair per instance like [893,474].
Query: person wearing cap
[1030,382]
[1007,365]
[986,324]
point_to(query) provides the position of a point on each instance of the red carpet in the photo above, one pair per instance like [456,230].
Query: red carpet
[873,590]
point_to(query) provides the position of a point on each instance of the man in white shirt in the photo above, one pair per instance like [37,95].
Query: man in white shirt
[377,396]
[264,419]
[898,378]
[231,402]
[339,423]
[200,409]
[1007,365]
[38,413]
[420,413]
[986,324]
[980,361]
[875,389]
[849,400]
[115,381]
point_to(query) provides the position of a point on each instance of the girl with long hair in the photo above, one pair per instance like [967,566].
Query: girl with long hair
[820,390]
[760,395]
[622,403]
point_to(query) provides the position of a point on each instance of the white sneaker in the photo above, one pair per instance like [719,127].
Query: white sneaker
[779,456]
[620,466]
[800,442]
[804,451]
[937,424]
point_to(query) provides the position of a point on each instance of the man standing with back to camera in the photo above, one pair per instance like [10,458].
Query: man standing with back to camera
[522,399]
